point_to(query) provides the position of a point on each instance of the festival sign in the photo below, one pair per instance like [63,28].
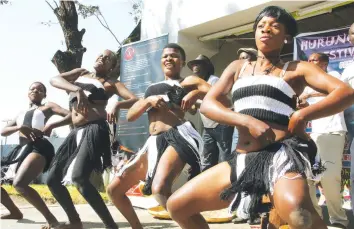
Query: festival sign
[140,67]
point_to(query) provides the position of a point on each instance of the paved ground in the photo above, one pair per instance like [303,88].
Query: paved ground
[33,219]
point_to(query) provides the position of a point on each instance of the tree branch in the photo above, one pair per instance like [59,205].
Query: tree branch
[106,27]
[104,19]
[101,21]
[49,5]
[56,3]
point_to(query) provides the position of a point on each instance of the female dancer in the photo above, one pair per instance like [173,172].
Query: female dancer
[173,141]
[274,155]
[34,153]
[87,147]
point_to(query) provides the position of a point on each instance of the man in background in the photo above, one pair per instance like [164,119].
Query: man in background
[249,54]
[329,135]
[217,137]
[348,77]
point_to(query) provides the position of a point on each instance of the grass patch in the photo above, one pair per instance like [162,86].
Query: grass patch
[47,196]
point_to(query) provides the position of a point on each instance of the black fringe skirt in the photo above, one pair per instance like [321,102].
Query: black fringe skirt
[263,168]
[183,138]
[94,136]
[14,159]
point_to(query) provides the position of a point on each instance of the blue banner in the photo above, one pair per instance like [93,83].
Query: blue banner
[140,67]
[335,43]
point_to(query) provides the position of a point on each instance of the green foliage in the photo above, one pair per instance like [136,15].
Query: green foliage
[87,10]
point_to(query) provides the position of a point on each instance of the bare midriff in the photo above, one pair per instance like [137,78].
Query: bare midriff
[96,111]
[163,120]
[247,143]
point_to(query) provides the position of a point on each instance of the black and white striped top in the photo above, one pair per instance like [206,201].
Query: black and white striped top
[264,97]
[170,90]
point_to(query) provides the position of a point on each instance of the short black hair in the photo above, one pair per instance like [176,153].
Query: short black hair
[114,59]
[44,87]
[179,48]
[282,16]
[323,56]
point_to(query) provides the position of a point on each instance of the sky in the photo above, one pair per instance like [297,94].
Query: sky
[27,47]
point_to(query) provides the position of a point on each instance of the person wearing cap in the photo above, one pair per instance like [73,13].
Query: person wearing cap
[247,53]
[217,137]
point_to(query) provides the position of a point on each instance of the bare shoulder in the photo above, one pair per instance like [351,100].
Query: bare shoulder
[298,65]
[109,84]
[232,71]
[237,63]
[113,85]
[190,79]
[235,67]
[50,104]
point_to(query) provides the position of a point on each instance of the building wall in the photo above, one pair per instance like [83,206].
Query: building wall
[172,16]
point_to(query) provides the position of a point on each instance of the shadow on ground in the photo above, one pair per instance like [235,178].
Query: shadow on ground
[94,225]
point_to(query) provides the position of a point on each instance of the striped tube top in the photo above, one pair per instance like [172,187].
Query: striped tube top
[264,97]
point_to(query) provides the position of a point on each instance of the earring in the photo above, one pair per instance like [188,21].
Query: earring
[285,41]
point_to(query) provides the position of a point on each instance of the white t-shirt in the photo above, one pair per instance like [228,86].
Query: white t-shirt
[329,124]
[208,123]
[348,75]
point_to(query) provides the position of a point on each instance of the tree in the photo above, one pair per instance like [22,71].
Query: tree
[90,10]
[68,20]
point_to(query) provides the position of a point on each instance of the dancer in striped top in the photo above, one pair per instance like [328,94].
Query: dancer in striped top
[274,154]
[173,141]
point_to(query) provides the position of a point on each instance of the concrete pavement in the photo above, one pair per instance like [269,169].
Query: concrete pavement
[33,219]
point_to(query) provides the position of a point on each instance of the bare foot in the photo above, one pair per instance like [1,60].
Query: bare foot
[77,225]
[50,225]
[17,215]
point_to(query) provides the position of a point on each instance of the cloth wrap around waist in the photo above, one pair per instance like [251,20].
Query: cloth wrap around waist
[96,142]
[183,138]
[41,146]
[264,167]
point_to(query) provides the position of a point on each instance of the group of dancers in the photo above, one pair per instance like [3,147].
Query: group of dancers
[274,155]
